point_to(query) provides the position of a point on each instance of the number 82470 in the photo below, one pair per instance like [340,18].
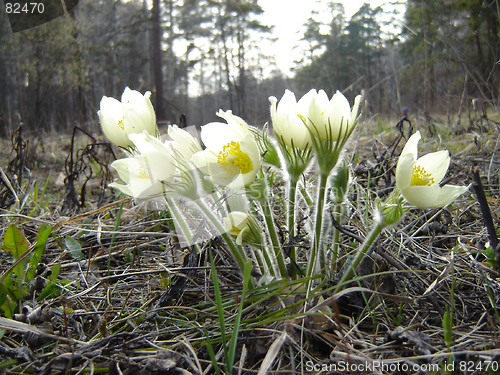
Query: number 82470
[19,8]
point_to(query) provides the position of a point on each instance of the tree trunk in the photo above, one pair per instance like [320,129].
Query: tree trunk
[160,113]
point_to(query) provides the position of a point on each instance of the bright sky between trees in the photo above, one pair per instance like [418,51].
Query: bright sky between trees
[288,18]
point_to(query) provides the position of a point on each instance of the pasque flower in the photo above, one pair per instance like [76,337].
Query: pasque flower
[155,163]
[287,125]
[231,157]
[183,142]
[133,114]
[418,179]
[242,226]
[144,175]
[328,119]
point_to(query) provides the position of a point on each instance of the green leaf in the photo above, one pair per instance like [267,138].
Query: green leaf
[7,305]
[448,328]
[234,337]
[55,272]
[15,242]
[74,248]
[41,242]
[52,289]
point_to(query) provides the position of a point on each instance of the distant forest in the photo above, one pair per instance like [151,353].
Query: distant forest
[444,57]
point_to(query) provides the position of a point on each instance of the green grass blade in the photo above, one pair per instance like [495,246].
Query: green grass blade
[212,353]
[113,238]
[234,336]
[220,310]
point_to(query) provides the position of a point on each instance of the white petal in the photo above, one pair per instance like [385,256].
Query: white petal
[237,124]
[274,111]
[145,143]
[355,109]
[287,125]
[305,102]
[216,135]
[143,174]
[404,170]
[125,189]
[339,114]
[435,163]
[316,117]
[432,196]
[249,147]
[411,146]
[184,142]
[121,166]
[288,103]
[138,112]
[449,193]
[110,114]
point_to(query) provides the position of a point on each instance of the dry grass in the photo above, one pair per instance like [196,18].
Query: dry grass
[135,302]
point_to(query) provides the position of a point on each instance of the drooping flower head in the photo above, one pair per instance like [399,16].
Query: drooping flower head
[145,173]
[231,157]
[133,114]
[418,179]
[242,226]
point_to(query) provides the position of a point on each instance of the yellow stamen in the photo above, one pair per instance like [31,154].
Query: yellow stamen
[235,230]
[233,160]
[302,117]
[420,177]
[142,173]
[120,123]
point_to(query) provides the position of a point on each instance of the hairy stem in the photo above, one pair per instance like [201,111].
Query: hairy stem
[268,215]
[318,229]
[237,251]
[292,193]
[360,254]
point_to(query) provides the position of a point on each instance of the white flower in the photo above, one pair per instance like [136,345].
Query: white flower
[243,226]
[183,142]
[237,224]
[144,174]
[418,179]
[133,114]
[144,142]
[287,125]
[328,119]
[232,155]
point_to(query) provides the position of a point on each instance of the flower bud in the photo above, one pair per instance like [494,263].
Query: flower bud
[340,183]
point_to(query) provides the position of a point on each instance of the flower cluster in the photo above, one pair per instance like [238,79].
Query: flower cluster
[230,164]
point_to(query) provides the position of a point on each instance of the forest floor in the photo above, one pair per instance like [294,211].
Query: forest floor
[113,292]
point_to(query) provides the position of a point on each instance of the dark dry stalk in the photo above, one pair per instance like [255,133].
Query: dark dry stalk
[485,210]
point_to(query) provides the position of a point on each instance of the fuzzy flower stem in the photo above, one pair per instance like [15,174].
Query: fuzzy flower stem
[323,178]
[268,215]
[336,237]
[178,218]
[237,251]
[268,261]
[360,254]
[292,193]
